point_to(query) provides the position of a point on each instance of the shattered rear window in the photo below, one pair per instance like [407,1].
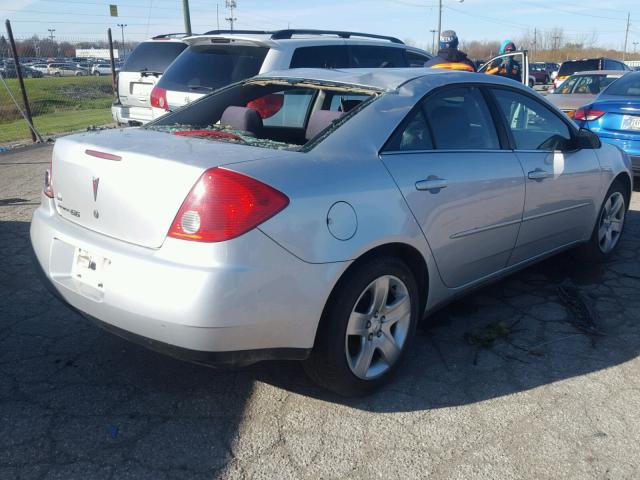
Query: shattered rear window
[282,114]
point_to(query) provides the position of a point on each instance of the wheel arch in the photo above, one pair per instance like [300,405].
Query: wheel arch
[414,260]
[625,179]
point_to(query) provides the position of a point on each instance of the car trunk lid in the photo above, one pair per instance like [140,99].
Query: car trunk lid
[130,184]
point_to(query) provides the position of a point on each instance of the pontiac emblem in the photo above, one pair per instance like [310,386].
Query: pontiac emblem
[96,180]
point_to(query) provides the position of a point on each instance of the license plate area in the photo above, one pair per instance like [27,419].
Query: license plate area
[630,122]
[89,268]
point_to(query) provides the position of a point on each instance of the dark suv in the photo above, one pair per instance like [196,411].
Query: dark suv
[570,67]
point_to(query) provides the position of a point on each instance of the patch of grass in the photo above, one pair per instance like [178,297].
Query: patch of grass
[58,105]
[53,123]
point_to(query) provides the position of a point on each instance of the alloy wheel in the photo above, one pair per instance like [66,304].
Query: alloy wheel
[378,327]
[611,222]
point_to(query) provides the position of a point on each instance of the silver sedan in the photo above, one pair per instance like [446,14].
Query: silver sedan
[318,215]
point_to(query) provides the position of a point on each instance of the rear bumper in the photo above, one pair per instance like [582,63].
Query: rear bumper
[132,116]
[235,302]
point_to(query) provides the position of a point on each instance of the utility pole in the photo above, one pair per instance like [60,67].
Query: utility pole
[230,4]
[433,41]
[555,43]
[626,36]
[535,41]
[51,35]
[187,17]
[217,16]
[122,25]
[439,19]
[635,44]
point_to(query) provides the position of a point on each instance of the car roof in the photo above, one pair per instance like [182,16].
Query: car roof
[601,72]
[376,78]
[293,37]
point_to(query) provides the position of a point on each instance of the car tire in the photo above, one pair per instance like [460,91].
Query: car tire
[609,226]
[357,363]
[57,74]
[97,74]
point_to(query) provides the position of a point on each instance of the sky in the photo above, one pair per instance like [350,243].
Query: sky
[406,19]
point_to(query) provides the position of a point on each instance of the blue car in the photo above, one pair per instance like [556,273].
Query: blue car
[615,116]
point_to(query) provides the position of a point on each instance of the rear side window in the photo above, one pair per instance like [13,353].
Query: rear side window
[571,67]
[460,120]
[332,56]
[533,126]
[153,56]
[370,56]
[203,68]
[413,135]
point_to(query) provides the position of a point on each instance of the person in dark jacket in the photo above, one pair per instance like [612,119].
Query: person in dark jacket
[507,67]
[449,56]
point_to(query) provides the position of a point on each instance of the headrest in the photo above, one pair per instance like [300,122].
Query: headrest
[319,121]
[242,118]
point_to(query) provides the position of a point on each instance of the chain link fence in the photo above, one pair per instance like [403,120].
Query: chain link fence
[67,89]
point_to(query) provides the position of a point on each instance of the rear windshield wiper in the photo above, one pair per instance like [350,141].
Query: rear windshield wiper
[145,72]
[201,87]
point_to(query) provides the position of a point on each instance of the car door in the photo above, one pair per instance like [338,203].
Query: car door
[514,65]
[561,180]
[465,191]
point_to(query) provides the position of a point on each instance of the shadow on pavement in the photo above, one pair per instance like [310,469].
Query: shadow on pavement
[73,393]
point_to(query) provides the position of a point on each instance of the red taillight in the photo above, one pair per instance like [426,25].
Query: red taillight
[159,98]
[223,205]
[268,105]
[587,114]
[48,181]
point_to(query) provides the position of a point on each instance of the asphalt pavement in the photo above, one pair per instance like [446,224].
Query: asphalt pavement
[503,384]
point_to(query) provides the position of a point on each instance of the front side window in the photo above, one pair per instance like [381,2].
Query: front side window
[460,120]
[416,60]
[533,125]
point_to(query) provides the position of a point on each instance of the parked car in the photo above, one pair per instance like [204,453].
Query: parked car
[615,116]
[570,67]
[318,215]
[65,70]
[41,67]
[9,71]
[582,88]
[540,73]
[139,74]
[221,57]
[101,69]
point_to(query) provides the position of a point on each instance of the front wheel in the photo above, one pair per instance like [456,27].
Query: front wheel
[97,74]
[366,328]
[610,225]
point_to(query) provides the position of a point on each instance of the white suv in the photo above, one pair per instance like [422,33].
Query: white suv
[139,74]
[221,57]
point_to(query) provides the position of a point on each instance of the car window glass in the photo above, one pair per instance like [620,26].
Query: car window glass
[153,56]
[346,103]
[332,56]
[416,60]
[586,84]
[367,56]
[293,112]
[534,126]
[567,86]
[629,85]
[460,119]
[412,135]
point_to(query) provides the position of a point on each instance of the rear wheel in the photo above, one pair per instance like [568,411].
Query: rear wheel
[609,227]
[366,329]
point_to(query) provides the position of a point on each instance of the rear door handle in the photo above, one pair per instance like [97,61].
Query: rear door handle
[432,184]
[538,174]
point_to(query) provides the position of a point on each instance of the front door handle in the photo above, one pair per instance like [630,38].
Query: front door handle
[432,184]
[538,174]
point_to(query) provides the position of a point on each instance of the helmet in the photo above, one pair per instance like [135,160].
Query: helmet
[507,46]
[448,39]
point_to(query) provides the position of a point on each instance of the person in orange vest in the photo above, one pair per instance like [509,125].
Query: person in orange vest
[449,56]
[507,67]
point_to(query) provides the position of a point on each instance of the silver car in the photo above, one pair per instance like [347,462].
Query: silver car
[318,215]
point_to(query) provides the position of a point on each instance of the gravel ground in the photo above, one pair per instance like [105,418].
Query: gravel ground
[500,384]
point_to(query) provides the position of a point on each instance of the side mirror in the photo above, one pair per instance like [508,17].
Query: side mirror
[586,139]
